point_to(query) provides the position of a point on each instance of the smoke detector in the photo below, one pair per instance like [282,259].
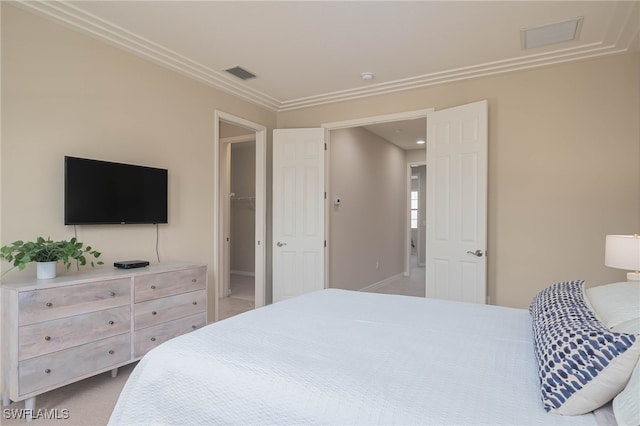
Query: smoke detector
[367,76]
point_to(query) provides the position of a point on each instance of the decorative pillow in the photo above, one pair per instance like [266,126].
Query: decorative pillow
[615,303]
[630,327]
[582,364]
[626,406]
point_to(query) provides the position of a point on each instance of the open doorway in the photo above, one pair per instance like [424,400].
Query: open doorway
[369,209]
[417,196]
[240,254]
[239,281]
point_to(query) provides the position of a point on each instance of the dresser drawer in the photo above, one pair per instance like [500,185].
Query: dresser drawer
[63,366]
[45,305]
[150,337]
[154,286]
[51,336]
[166,309]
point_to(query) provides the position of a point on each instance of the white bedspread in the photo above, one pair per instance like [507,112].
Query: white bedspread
[341,357]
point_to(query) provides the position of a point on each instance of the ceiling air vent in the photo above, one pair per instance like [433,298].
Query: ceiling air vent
[550,34]
[241,73]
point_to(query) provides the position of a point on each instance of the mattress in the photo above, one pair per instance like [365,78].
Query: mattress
[343,357]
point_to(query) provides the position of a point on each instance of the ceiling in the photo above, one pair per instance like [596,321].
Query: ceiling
[308,53]
[403,134]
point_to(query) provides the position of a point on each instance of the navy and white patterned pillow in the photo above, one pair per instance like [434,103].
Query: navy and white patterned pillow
[582,364]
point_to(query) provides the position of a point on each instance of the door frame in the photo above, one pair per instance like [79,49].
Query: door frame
[225,198]
[359,122]
[220,215]
[408,224]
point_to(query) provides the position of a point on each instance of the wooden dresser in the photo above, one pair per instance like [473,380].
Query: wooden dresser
[62,330]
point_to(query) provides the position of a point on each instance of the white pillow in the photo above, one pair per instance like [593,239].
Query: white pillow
[615,303]
[626,405]
[630,327]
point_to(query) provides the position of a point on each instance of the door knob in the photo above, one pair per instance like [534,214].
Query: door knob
[280,244]
[476,253]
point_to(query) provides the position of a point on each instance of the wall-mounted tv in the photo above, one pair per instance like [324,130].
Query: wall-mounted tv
[101,192]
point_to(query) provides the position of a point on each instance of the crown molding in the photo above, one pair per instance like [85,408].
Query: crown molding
[459,74]
[620,39]
[69,15]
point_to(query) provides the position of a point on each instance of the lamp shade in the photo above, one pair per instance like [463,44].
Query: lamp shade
[622,252]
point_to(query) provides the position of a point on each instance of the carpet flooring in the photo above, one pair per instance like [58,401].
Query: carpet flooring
[88,402]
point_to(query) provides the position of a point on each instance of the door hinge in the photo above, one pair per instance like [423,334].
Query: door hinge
[325,146]
[325,195]
[325,243]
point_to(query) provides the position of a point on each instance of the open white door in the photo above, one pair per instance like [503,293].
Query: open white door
[456,263]
[298,212]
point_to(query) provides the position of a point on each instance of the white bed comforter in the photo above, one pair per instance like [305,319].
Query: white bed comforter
[341,357]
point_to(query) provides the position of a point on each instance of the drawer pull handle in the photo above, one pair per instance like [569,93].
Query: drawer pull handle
[154,313]
[153,287]
[47,371]
[153,339]
[47,338]
[111,352]
[195,303]
[112,293]
[194,327]
[49,304]
[194,280]
[111,323]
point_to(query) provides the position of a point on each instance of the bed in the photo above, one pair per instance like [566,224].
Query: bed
[344,357]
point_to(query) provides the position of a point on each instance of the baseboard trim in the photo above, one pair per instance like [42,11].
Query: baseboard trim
[382,283]
[245,273]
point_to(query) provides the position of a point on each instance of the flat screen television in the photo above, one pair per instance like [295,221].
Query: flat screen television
[102,192]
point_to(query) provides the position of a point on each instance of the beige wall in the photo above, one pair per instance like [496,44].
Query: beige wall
[369,175]
[243,178]
[64,93]
[564,151]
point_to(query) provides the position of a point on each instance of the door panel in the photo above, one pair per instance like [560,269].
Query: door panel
[457,144]
[298,212]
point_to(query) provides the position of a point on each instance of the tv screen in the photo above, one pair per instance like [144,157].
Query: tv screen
[102,192]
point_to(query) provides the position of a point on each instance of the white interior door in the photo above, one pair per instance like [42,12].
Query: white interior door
[298,212]
[456,263]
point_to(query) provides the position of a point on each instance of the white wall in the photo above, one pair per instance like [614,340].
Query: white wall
[369,175]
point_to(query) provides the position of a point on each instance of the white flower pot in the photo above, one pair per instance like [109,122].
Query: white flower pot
[46,270]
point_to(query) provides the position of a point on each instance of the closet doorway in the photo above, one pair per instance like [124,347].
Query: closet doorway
[240,218]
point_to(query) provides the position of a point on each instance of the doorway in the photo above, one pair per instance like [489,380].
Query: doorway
[369,209]
[239,280]
[456,199]
[240,219]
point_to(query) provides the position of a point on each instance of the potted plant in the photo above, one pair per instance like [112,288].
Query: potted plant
[47,253]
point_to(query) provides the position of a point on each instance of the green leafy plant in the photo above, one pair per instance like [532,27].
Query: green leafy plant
[20,253]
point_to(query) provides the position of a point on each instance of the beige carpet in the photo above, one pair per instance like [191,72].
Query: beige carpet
[412,285]
[241,299]
[87,402]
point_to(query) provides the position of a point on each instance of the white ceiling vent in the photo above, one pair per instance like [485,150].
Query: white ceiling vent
[545,35]
[241,73]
